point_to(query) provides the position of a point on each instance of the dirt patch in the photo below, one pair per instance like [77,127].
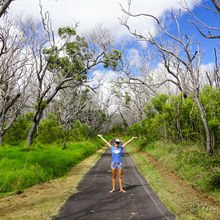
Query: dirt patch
[44,200]
[186,198]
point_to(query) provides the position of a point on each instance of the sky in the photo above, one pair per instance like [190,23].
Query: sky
[90,13]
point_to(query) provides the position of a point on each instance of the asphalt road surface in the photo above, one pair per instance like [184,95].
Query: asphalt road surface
[93,201]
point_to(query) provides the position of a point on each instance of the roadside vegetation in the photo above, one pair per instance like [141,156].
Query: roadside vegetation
[53,153]
[176,192]
[22,167]
[44,200]
[189,162]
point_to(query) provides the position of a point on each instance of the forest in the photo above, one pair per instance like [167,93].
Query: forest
[52,106]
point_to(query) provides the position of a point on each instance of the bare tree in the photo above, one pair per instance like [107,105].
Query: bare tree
[178,57]
[14,72]
[140,82]
[83,105]
[131,100]
[70,105]
[206,30]
[4,4]
[63,66]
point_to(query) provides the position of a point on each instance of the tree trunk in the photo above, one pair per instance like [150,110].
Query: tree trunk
[165,130]
[213,142]
[1,140]
[4,6]
[34,128]
[64,145]
[179,129]
[31,133]
[205,124]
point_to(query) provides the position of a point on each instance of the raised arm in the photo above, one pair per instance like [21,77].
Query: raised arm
[99,135]
[124,145]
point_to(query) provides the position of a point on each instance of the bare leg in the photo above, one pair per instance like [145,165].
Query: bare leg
[120,180]
[113,180]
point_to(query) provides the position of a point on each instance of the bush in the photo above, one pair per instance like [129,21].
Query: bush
[117,130]
[50,131]
[19,130]
[79,132]
[135,129]
[214,181]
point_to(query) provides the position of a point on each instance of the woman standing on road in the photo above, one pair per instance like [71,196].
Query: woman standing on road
[116,160]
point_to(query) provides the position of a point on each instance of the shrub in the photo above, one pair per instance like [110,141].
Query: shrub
[19,130]
[50,131]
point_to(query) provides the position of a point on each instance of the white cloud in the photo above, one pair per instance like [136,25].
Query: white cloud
[133,55]
[207,67]
[92,12]
[104,92]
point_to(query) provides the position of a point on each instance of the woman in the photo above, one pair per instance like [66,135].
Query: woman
[116,160]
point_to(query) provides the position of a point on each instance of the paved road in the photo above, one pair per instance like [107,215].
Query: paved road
[93,201]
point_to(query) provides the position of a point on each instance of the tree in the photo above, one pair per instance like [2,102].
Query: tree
[4,4]
[208,31]
[131,100]
[14,71]
[200,24]
[179,59]
[64,66]
[81,105]
[69,106]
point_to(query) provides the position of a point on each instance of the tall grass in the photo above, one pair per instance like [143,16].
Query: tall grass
[22,167]
[189,161]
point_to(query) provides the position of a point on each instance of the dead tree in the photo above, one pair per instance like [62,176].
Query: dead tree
[63,66]
[4,4]
[178,58]
[206,30]
[14,72]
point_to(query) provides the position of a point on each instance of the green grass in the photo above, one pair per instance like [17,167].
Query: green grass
[174,198]
[190,162]
[159,184]
[22,167]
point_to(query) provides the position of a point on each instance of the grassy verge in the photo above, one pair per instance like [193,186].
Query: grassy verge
[190,162]
[183,201]
[177,194]
[22,167]
[42,201]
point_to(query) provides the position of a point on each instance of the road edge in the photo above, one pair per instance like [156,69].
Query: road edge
[42,201]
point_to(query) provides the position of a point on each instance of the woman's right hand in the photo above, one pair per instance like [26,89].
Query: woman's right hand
[99,135]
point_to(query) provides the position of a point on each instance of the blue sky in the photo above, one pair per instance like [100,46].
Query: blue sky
[211,19]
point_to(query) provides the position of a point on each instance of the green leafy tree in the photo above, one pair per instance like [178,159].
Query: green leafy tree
[117,130]
[79,132]
[135,129]
[181,117]
[67,66]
